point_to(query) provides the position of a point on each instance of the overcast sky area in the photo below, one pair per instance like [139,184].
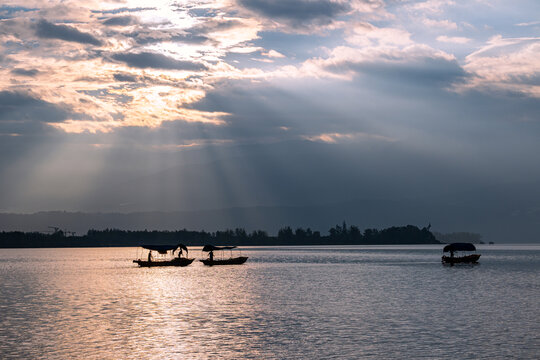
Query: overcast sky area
[124,106]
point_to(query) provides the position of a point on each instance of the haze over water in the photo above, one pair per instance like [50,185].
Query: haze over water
[285,302]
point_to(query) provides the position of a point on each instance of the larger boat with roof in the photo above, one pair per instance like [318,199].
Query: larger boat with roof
[163,255]
[460,253]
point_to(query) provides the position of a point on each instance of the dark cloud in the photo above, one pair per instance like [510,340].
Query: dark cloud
[123,9]
[198,34]
[146,60]
[125,77]
[47,30]
[25,72]
[8,12]
[425,71]
[191,38]
[198,12]
[18,106]
[215,25]
[120,21]
[195,35]
[298,13]
[23,114]
[146,36]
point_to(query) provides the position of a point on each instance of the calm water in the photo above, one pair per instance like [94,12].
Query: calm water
[284,303]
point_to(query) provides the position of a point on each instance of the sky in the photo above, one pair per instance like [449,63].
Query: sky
[122,106]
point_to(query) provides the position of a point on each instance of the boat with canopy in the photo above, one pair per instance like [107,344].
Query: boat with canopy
[465,258]
[163,255]
[211,260]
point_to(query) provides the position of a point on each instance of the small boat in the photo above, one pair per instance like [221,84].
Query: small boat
[211,261]
[166,256]
[463,259]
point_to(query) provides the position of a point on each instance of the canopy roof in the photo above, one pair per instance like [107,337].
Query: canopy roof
[459,247]
[208,248]
[162,249]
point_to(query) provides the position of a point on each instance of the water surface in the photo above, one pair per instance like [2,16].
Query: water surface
[284,303]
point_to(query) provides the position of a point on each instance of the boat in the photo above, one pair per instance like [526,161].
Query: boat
[165,256]
[211,261]
[466,258]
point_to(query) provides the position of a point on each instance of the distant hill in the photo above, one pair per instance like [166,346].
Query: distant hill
[454,237]
[494,223]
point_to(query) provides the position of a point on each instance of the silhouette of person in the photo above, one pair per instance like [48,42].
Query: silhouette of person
[149,256]
[211,254]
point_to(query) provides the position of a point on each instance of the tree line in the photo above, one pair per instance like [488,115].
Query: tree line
[337,235]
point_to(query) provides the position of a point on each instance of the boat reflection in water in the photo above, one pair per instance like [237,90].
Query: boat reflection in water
[211,261]
[466,258]
[165,256]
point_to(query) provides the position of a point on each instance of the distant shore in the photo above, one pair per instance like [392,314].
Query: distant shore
[338,235]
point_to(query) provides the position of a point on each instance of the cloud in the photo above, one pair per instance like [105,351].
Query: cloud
[145,60]
[453,39]
[221,32]
[145,36]
[365,34]
[25,72]
[431,6]
[334,138]
[123,9]
[120,21]
[21,107]
[125,77]
[299,14]
[506,64]
[297,9]
[444,24]
[413,65]
[47,30]
[216,25]
[8,12]
[273,54]
[530,23]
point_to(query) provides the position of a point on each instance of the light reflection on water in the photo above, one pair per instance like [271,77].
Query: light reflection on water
[284,303]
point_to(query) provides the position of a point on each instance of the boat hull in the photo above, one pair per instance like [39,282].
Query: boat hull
[469,259]
[173,262]
[232,261]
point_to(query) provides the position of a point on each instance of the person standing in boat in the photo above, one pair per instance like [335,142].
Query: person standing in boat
[149,256]
[211,255]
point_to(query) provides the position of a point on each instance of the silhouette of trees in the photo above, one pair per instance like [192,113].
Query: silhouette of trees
[337,235]
[285,234]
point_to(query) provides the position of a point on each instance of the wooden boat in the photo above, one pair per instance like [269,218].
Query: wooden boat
[166,257]
[172,262]
[232,261]
[467,259]
[211,261]
[463,259]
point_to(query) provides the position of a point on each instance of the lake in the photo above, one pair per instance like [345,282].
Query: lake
[342,302]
